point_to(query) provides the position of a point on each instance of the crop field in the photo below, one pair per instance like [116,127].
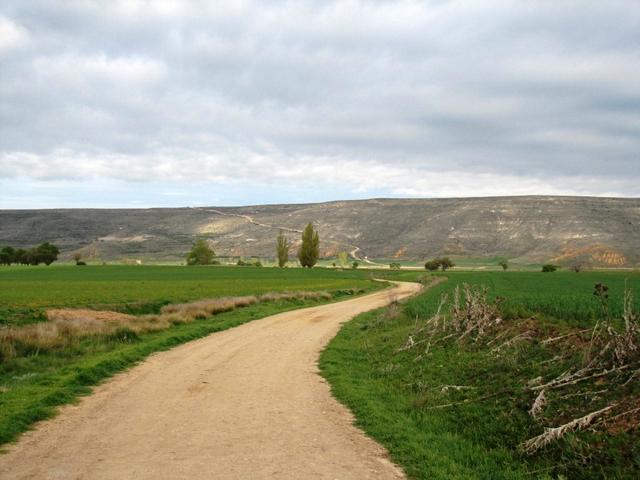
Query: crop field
[26,291]
[534,377]
[49,360]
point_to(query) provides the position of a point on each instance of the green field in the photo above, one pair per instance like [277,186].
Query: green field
[401,397]
[26,291]
[33,381]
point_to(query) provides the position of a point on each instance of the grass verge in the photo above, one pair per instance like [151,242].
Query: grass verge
[461,409]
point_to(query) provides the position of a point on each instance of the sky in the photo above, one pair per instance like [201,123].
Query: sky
[168,103]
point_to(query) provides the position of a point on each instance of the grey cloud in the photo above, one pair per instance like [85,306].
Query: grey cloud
[541,92]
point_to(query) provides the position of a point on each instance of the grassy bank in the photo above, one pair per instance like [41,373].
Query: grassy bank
[451,407]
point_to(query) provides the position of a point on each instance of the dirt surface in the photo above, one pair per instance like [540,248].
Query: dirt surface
[245,403]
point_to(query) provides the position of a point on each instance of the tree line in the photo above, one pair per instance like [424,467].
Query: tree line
[308,253]
[44,253]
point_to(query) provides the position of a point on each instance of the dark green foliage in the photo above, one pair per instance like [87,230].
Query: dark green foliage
[7,256]
[394,266]
[200,254]
[45,253]
[504,264]
[282,249]
[432,265]
[547,268]
[355,265]
[309,251]
[444,263]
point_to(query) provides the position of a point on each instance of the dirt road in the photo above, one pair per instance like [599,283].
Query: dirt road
[246,403]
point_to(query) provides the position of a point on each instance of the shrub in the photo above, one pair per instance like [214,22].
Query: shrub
[200,254]
[549,268]
[432,265]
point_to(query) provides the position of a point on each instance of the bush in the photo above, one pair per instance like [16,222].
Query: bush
[432,265]
[394,266]
[355,265]
[549,268]
[200,254]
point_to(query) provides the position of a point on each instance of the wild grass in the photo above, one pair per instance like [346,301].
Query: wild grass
[66,326]
[466,387]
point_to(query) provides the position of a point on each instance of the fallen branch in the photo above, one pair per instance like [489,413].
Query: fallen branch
[547,341]
[623,414]
[523,336]
[559,382]
[550,434]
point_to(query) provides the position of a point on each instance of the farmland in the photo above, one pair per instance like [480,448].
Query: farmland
[25,292]
[451,405]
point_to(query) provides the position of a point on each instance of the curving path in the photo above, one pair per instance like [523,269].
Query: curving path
[245,403]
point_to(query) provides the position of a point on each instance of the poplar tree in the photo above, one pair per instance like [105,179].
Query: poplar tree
[282,249]
[310,249]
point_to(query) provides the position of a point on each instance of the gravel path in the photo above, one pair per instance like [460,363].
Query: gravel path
[245,403]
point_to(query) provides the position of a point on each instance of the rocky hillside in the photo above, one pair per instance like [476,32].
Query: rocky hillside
[600,231]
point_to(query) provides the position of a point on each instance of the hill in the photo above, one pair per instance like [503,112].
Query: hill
[600,231]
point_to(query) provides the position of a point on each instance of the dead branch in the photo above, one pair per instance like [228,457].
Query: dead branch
[547,341]
[573,381]
[528,335]
[550,434]
[538,405]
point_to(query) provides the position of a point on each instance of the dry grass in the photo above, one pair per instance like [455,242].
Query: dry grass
[68,325]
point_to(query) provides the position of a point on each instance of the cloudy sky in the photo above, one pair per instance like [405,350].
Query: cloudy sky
[169,103]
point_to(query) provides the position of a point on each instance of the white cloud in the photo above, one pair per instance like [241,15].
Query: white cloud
[12,35]
[439,98]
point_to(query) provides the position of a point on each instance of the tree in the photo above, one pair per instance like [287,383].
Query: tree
[432,265]
[309,251]
[504,264]
[343,258]
[45,253]
[7,256]
[576,267]
[445,263]
[77,257]
[394,266]
[355,265]
[282,249]
[549,268]
[21,256]
[200,254]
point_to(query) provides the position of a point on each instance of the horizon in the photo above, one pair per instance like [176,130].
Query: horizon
[488,197]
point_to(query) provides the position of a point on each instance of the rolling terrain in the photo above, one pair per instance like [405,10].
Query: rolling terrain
[591,230]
